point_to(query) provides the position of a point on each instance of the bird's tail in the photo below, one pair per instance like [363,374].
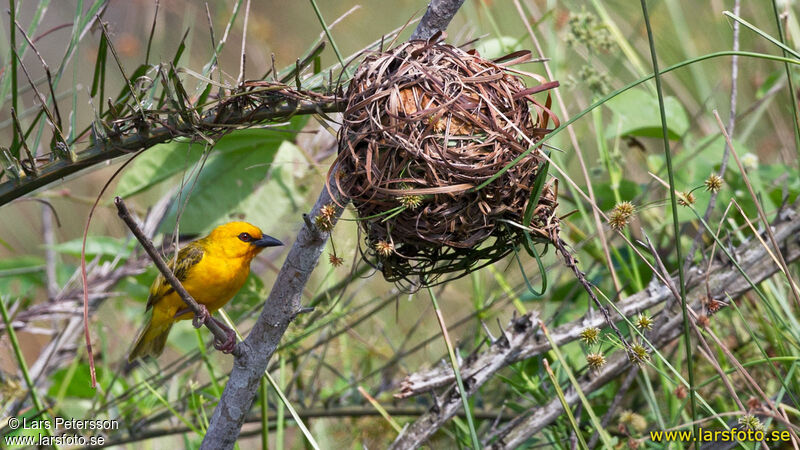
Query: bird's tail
[152,338]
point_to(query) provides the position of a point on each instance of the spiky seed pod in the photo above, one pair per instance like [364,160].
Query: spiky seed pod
[617,221]
[595,361]
[410,201]
[625,208]
[686,198]
[751,422]
[384,249]
[323,223]
[427,123]
[714,305]
[335,260]
[621,214]
[713,183]
[328,211]
[590,335]
[639,353]
[644,322]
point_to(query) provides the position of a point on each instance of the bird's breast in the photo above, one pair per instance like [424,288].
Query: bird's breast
[214,281]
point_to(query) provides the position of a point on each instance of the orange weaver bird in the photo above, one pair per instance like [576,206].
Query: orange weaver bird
[212,270]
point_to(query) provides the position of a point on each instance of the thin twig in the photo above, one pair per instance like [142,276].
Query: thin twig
[712,199]
[49,239]
[244,44]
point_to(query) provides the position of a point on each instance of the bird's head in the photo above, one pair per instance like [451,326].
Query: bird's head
[240,240]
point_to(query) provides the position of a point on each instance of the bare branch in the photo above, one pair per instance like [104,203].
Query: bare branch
[281,307]
[437,17]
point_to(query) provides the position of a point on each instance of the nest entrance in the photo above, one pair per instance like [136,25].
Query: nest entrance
[427,123]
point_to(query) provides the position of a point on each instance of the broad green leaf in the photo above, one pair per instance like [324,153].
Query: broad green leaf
[96,245]
[268,206]
[80,384]
[628,190]
[230,184]
[156,165]
[636,113]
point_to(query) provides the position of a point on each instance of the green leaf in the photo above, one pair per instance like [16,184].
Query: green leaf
[497,47]
[80,383]
[771,80]
[156,165]
[628,191]
[230,185]
[95,245]
[636,113]
[268,206]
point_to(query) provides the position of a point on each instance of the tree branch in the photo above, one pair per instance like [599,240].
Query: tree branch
[437,17]
[281,307]
[271,104]
[723,279]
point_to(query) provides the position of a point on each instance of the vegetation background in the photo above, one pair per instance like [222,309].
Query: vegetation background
[340,366]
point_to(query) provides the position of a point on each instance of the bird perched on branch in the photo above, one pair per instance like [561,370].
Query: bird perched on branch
[212,270]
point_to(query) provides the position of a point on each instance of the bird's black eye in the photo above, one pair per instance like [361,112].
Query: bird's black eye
[244,237]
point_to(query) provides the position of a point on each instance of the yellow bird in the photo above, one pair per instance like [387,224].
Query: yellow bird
[212,270]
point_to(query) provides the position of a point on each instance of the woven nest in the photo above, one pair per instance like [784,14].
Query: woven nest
[426,123]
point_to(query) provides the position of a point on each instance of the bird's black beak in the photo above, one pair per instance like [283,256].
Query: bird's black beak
[267,241]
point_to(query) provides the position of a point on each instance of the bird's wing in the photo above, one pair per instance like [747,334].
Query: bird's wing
[187,258]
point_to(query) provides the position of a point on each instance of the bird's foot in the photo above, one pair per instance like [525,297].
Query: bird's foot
[229,344]
[201,317]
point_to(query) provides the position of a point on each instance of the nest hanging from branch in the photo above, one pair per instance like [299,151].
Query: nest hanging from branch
[426,123]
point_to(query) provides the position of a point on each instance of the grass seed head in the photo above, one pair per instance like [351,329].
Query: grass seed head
[595,361]
[713,183]
[590,335]
[323,223]
[384,248]
[644,322]
[639,353]
[680,392]
[751,422]
[686,198]
[410,201]
[335,260]
[636,421]
[621,214]
[328,211]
